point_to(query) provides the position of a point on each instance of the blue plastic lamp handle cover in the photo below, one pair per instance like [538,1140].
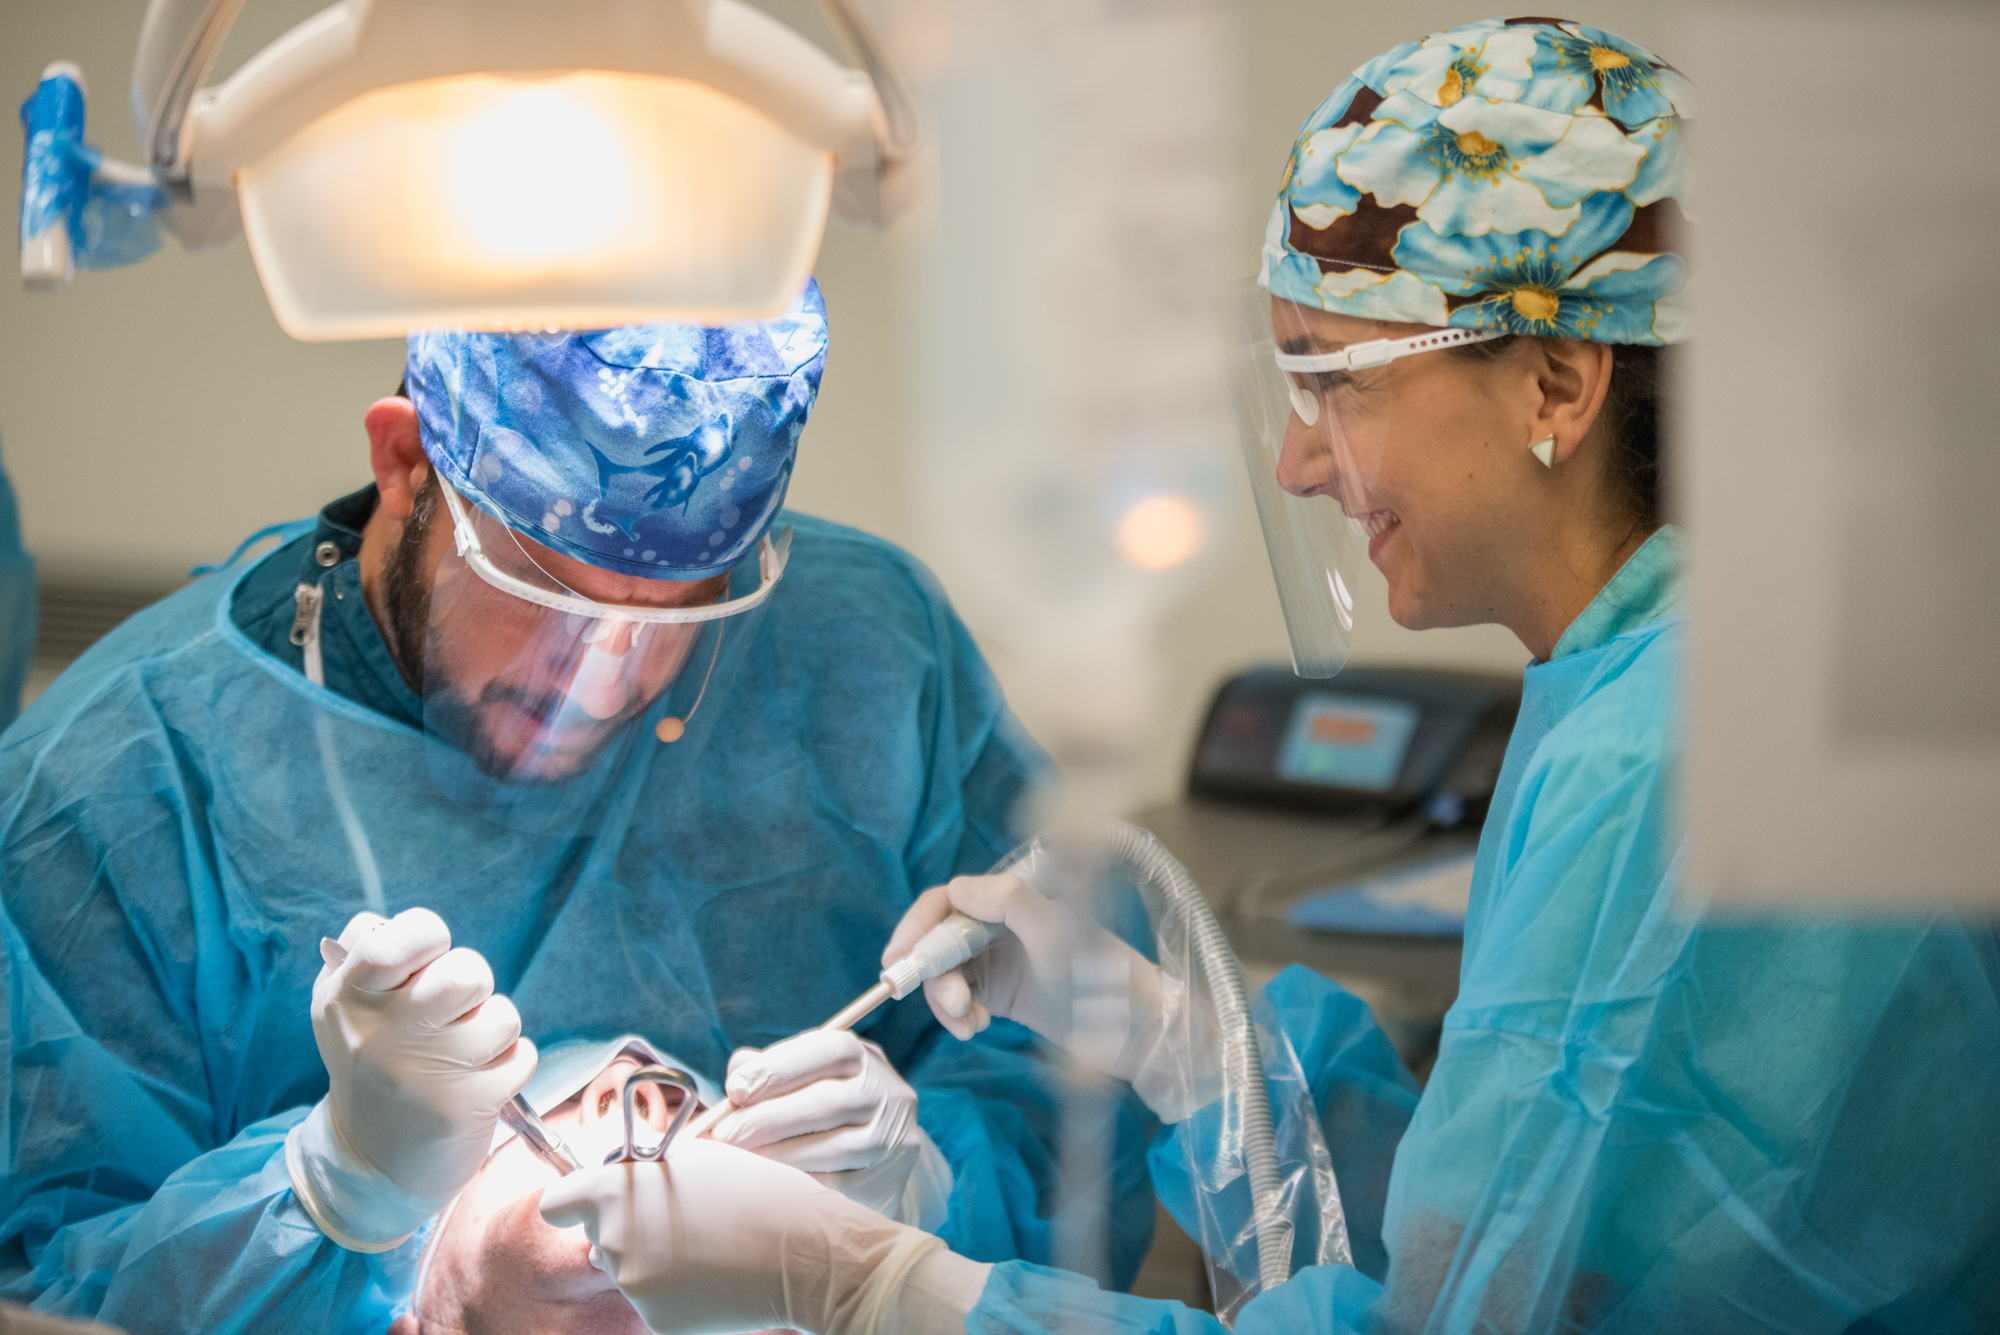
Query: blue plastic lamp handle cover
[110,222]
[56,166]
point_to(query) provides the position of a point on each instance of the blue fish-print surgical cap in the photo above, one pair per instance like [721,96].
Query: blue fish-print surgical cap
[1515,174]
[659,450]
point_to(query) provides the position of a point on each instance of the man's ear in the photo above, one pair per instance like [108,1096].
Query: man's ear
[1574,375]
[396,453]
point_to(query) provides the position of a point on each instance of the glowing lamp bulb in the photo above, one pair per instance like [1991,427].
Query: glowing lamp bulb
[577,201]
[538,176]
[1161,532]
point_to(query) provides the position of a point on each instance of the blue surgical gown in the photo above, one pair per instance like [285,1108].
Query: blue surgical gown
[1638,1121]
[169,859]
[17,606]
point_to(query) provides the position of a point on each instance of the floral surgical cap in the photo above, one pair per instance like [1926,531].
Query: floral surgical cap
[659,450]
[1516,174]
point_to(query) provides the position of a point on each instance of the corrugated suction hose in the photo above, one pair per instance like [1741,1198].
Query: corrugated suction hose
[1242,1065]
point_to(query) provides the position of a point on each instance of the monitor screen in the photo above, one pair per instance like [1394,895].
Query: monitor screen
[1347,741]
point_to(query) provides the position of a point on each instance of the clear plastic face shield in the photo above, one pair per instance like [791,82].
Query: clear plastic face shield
[537,695]
[1317,397]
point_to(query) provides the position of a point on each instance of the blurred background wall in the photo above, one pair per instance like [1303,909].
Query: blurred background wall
[154,416]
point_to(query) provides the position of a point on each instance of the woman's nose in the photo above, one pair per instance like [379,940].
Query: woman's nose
[655,1105]
[1306,462]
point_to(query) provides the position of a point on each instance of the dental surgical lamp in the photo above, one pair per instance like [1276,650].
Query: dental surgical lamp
[487,164]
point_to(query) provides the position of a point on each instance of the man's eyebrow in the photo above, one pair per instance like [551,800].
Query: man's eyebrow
[692,593]
[1299,346]
[703,593]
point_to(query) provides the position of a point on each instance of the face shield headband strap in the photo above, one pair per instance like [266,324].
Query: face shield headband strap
[1356,356]
[771,558]
[1382,351]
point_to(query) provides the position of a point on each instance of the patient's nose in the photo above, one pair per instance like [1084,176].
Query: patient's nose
[655,1105]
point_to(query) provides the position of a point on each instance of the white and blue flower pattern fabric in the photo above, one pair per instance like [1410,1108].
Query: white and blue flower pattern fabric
[1510,177]
[1515,175]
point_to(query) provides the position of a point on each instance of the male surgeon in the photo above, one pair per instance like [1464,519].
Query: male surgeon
[560,730]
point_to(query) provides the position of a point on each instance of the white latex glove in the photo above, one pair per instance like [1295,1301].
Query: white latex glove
[1137,1023]
[832,1105]
[420,1055]
[717,1239]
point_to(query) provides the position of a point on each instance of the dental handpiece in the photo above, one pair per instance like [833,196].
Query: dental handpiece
[942,949]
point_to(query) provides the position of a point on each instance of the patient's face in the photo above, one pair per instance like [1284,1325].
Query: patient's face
[497,1268]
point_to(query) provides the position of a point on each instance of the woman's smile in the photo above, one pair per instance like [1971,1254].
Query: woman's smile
[1381,525]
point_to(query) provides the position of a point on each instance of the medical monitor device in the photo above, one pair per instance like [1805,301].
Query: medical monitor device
[516,164]
[1840,461]
[1383,739]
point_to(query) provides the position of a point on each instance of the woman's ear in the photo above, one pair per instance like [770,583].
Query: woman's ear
[396,453]
[1573,377]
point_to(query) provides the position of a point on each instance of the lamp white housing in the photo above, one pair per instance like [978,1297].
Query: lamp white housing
[518,164]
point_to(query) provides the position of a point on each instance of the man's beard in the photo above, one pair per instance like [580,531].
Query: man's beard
[406,593]
[450,715]
[406,603]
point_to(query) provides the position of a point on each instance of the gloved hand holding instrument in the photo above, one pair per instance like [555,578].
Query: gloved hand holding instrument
[829,1103]
[421,1055]
[711,1239]
[761,1244]
[1025,975]
[948,944]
